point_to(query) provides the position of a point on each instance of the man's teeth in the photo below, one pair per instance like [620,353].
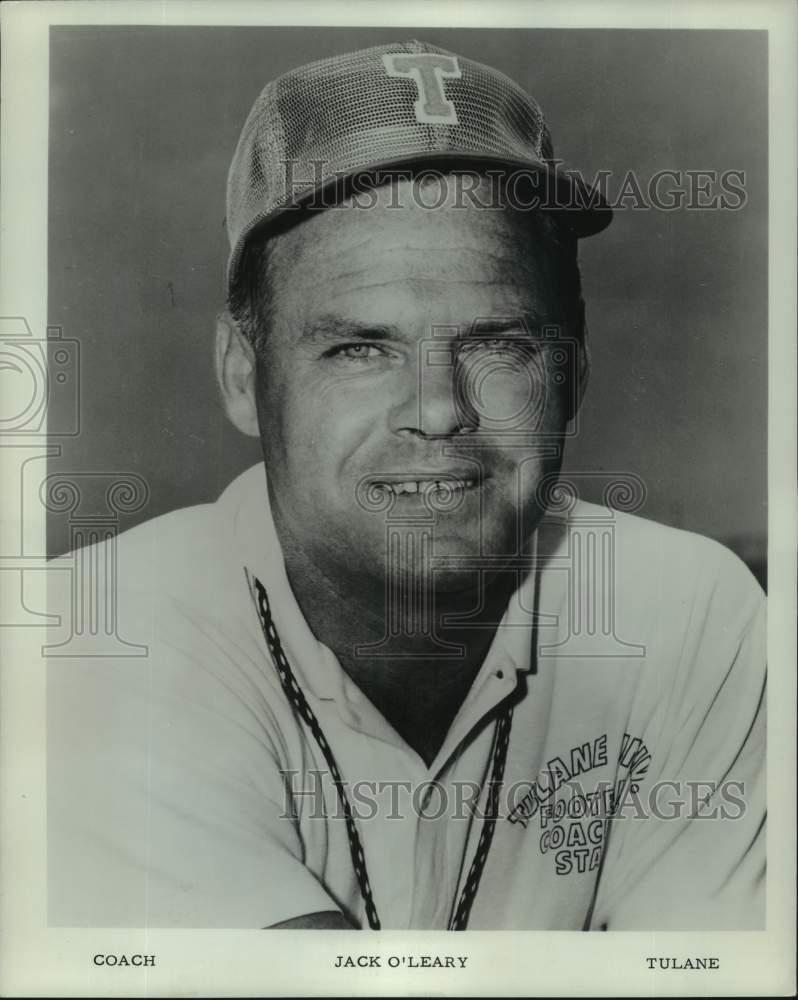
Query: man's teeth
[425,485]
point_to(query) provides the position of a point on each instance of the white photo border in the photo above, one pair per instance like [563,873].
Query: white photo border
[37,960]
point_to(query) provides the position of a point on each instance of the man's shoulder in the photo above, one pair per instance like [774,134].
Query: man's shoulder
[655,558]
[191,554]
[174,552]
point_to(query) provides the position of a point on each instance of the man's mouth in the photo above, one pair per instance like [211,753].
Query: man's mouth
[444,486]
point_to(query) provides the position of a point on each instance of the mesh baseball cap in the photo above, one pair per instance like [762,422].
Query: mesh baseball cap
[384,107]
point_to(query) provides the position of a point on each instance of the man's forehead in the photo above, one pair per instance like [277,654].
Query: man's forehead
[446,283]
[455,303]
[382,298]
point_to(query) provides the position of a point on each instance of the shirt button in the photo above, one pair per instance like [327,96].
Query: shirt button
[500,675]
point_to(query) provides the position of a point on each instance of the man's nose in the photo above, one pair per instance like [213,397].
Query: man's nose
[431,404]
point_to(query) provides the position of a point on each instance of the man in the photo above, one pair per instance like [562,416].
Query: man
[395,677]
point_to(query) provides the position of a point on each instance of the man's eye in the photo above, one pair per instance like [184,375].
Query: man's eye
[356,352]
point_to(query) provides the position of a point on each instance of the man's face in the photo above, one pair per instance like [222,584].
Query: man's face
[406,379]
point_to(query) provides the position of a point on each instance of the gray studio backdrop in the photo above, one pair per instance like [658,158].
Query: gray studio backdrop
[143,122]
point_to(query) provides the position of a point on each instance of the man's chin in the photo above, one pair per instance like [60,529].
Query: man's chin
[412,553]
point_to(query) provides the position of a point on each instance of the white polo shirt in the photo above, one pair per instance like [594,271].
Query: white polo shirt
[184,790]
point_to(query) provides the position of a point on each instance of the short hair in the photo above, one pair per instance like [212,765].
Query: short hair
[251,288]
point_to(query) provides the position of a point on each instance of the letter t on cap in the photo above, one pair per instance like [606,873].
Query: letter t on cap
[428,70]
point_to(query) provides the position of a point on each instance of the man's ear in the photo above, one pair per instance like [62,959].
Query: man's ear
[235,372]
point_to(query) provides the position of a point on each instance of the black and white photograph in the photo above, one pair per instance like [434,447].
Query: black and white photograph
[394,511]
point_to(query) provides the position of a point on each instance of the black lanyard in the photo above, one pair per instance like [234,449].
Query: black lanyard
[296,697]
